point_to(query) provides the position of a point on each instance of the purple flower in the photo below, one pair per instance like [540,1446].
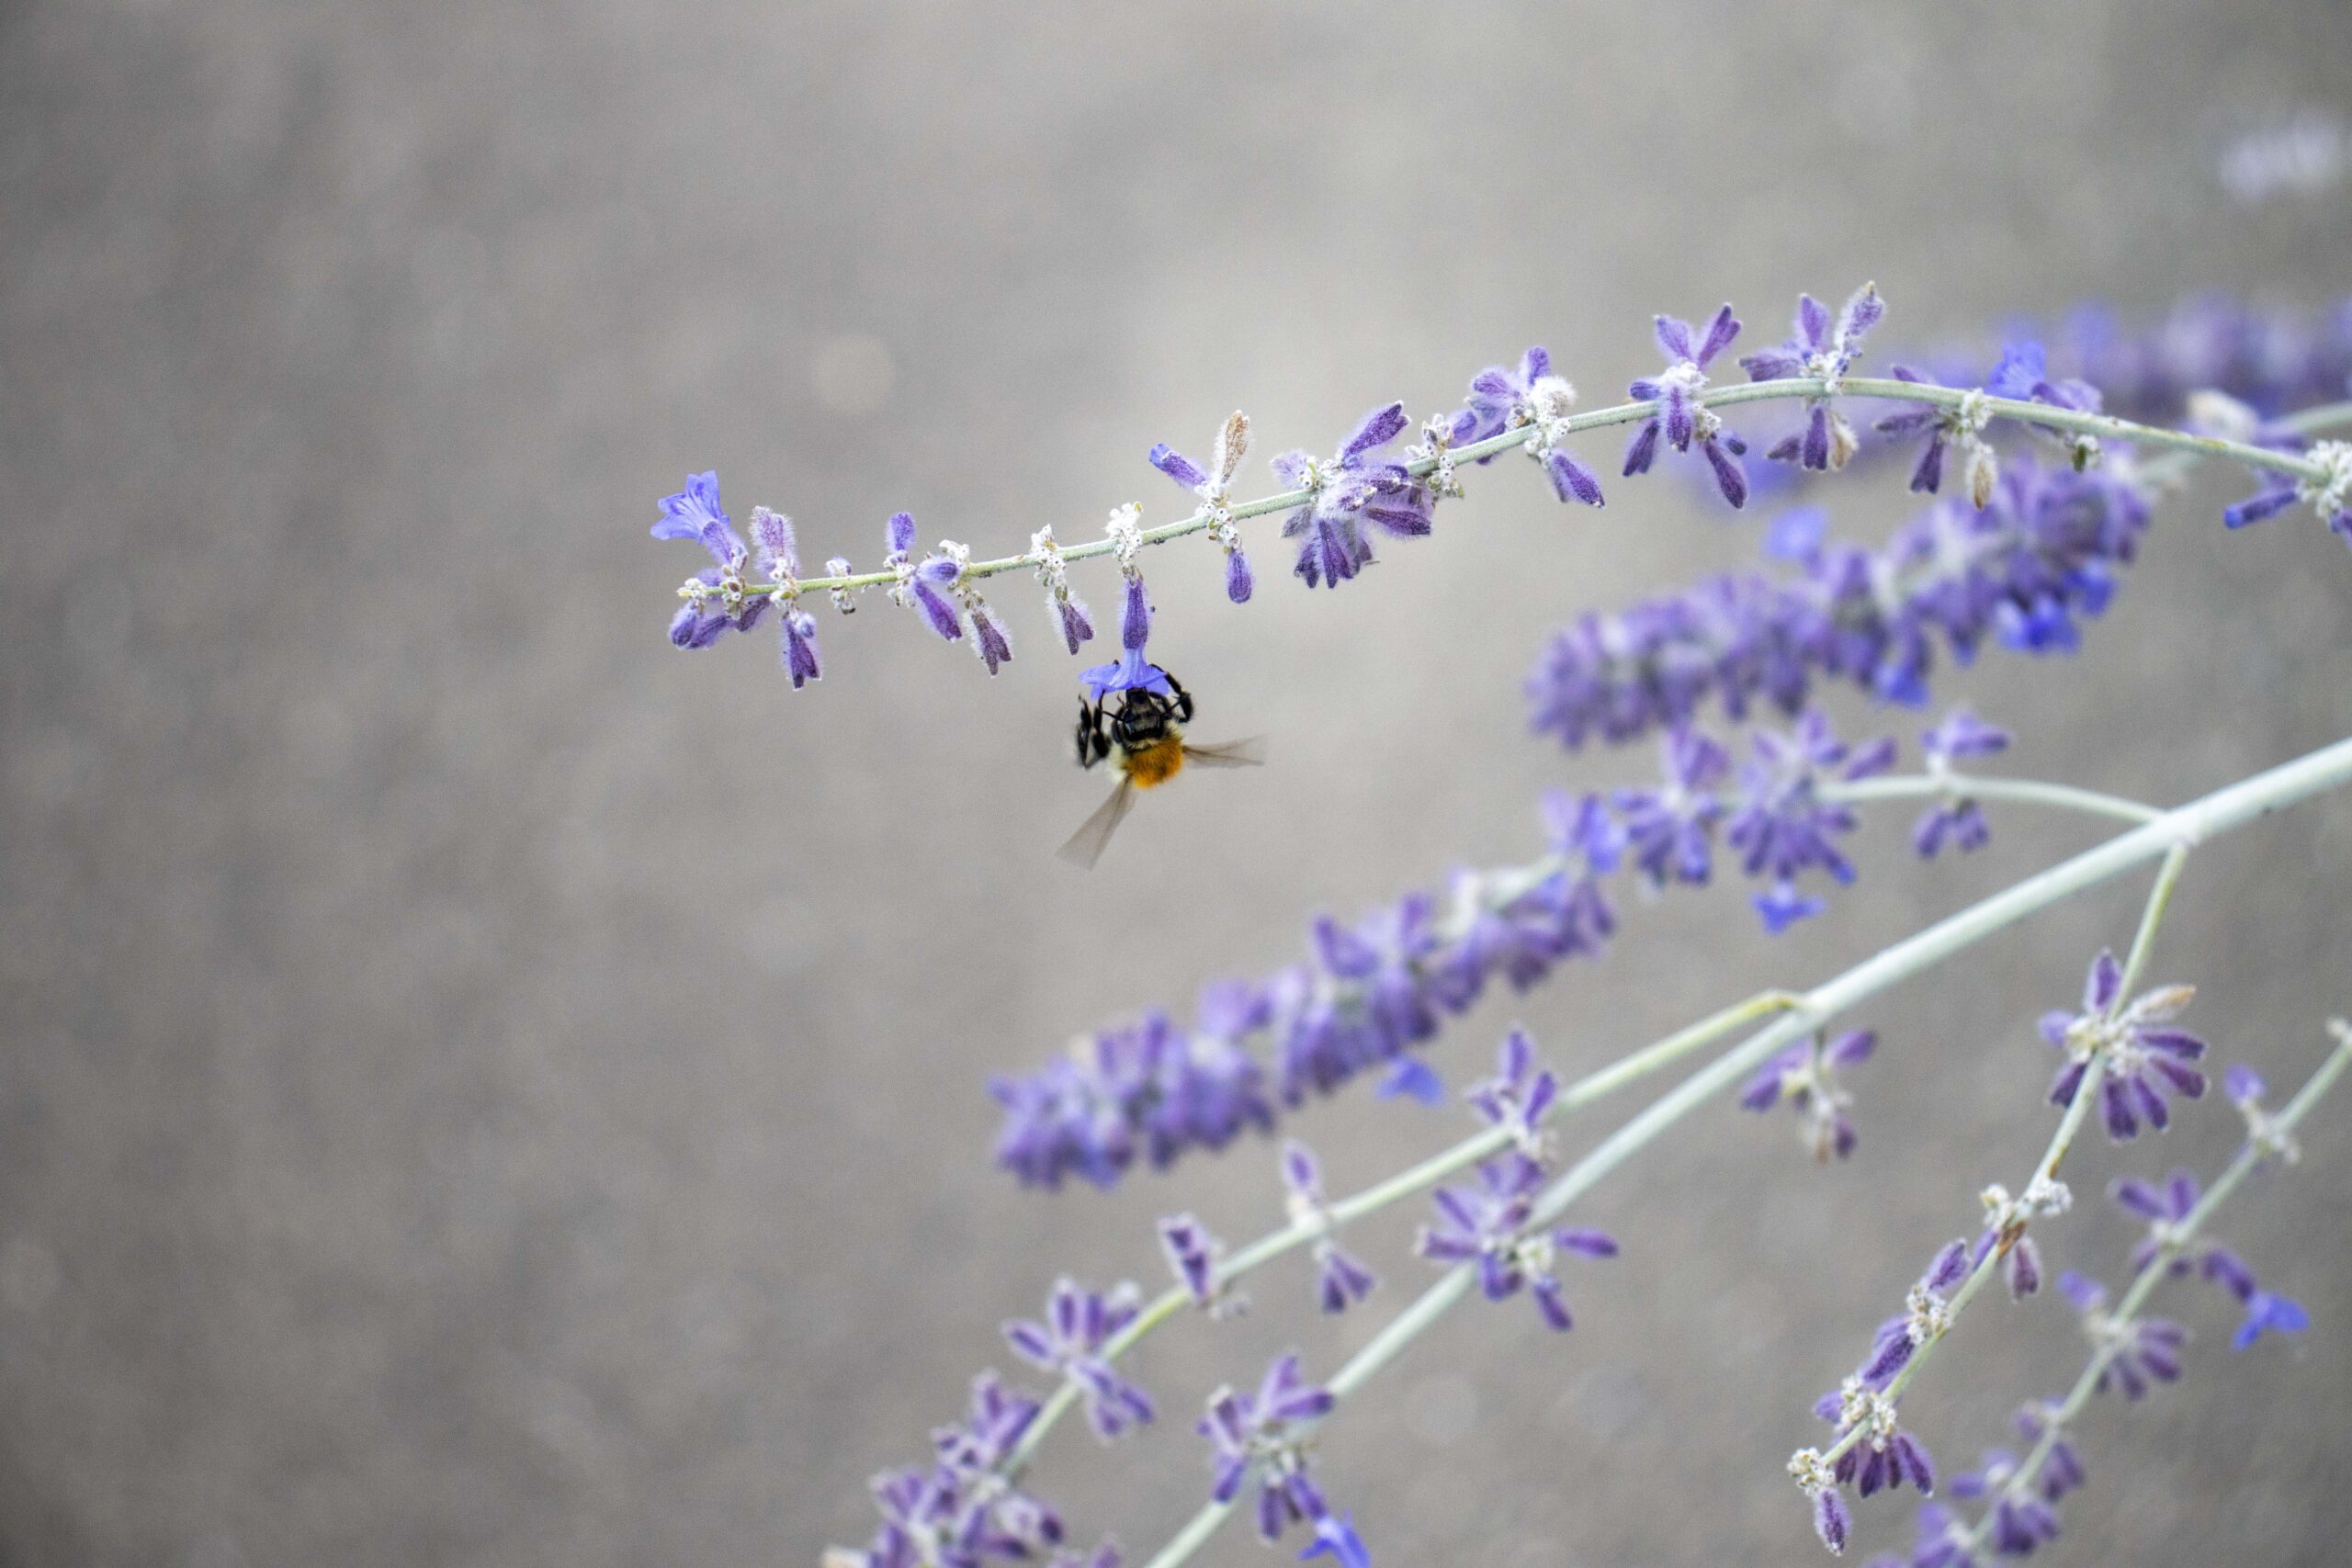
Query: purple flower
[1193,1255]
[1069,1342]
[995,1518]
[1335,1538]
[777,554]
[694,513]
[1820,347]
[1071,617]
[1926,1312]
[1518,1096]
[2166,1207]
[1884,1455]
[1141,1089]
[1502,398]
[2041,556]
[1956,818]
[2061,1468]
[1682,417]
[1485,1224]
[1359,485]
[1339,1279]
[1782,826]
[1803,1077]
[1411,1078]
[1940,1540]
[1261,1433]
[1214,485]
[2267,1314]
[917,586]
[2145,1058]
[1962,423]
[1669,828]
[2132,1352]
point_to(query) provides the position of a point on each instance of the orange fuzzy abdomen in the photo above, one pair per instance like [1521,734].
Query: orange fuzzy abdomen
[1155,763]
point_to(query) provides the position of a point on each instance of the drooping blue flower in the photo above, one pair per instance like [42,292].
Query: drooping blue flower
[1362,484]
[1335,1538]
[1409,1077]
[1069,1342]
[1819,346]
[1682,417]
[2267,1314]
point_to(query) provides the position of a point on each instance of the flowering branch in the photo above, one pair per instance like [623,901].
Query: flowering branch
[1813,388]
[2271,1135]
[1865,1406]
[2167,836]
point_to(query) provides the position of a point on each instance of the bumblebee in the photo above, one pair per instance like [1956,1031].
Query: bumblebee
[1132,714]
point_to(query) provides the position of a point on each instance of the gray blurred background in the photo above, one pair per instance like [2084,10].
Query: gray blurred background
[482,1088]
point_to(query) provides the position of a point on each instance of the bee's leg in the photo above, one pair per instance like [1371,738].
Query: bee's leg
[1093,747]
[1183,700]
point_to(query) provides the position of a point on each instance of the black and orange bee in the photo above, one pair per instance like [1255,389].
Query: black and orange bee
[1132,714]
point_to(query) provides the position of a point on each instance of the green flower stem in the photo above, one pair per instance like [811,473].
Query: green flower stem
[2054,1421]
[2316,772]
[1809,386]
[1913,786]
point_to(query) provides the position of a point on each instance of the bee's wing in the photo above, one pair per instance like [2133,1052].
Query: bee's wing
[1248,753]
[1085,846]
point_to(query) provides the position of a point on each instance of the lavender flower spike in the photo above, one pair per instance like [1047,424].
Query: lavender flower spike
[1360,485]
[1682,418]
[2146,1058]
[1820,348]
[1214,485]
[1069,1342]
